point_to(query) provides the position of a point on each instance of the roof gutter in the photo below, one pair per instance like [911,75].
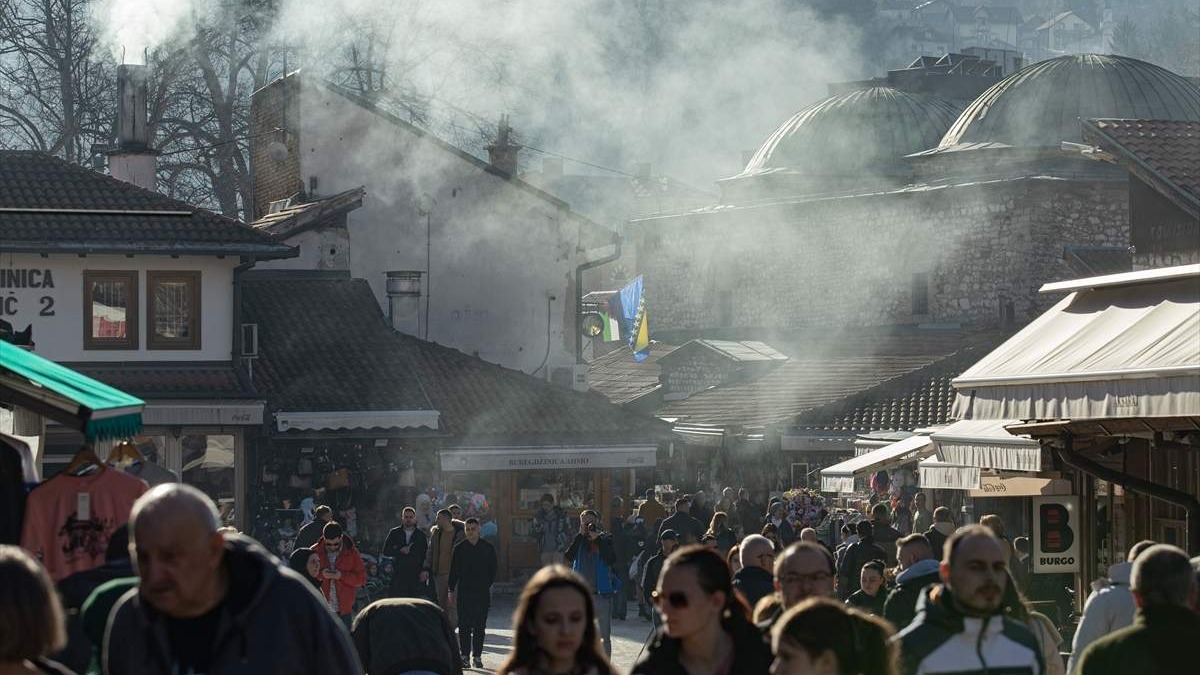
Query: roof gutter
[579,292]
[260,251]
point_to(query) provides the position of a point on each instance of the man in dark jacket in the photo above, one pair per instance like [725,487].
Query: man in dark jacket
[860,553]
[942,528]
[917,569]
[885,535]
[1163,635]
[749,514]
[311,533]
[701,510]
[592,555]
[212,603]
[756,579]
[667,544]
[960,626]
[472,573]
[686,527]
[406,546]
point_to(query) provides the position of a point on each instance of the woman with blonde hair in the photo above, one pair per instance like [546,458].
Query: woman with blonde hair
[32,624]
[821,635]
[554,628]
[718,528]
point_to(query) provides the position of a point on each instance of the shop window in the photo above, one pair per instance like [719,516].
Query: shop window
[110,310]
[208,464]
[572,490]
[173,310]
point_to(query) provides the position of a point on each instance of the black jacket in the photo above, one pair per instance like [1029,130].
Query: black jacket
[754,583]
[885,536]
[687,527]
[1161,640]
[751,654]
[867,603]
[399,635]
[937,541]
[473,567]
[309,534]
[272,621]
[859,554]
[650,575]
[406,567]
[901,605]
[749,517]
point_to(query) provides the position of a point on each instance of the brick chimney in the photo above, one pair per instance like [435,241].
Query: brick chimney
[503,153]
[133,160]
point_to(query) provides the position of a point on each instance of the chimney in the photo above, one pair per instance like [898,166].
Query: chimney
[552,167]
[133,160]
[404,301]
[503,154]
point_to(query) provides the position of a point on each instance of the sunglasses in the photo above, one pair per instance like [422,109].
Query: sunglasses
[677,600]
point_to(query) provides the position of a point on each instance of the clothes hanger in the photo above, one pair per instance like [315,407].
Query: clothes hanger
[84,459]
[125,452]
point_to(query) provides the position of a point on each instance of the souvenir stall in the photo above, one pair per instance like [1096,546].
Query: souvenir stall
[884,469]
[66,521]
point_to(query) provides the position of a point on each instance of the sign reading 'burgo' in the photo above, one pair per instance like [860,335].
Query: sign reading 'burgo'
[1055,534]
[517,459]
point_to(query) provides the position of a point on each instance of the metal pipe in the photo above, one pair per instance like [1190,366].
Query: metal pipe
[579,293]
[1182,499]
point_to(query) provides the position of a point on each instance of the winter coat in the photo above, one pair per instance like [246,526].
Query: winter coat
[652,511]
[856,556]
[406,567]
[432,564]
[401,634]
[605,560]
[1161,641]
[687,527]
[650,574]
[1048,639]
[901,605]
[309,534]
[937,539]
[473,568]
[354,573]
[726,539]
[1109,608]
[749,517]
[922,520]
[787,533]
[754,583]
[871,604]
[541,520]
[272,621]
[751,654]
[885,537]
[942,640]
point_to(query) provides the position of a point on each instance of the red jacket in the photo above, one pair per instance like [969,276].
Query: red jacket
[354,573]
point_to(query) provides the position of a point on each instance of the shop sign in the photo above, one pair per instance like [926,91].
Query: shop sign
[1020,486]
[535,459]
[1056,523]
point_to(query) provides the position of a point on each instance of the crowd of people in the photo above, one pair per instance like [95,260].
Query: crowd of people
[181,595]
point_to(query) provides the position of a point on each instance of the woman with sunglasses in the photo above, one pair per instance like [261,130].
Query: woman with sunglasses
[706,627]
[821,635]
[554,628]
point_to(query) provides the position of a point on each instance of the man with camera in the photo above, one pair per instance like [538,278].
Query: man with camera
[591,554]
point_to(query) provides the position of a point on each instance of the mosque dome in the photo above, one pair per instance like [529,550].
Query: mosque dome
[848,139]
[1040,106]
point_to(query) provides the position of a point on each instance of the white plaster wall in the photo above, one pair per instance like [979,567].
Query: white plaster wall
[497,251]
[60,337]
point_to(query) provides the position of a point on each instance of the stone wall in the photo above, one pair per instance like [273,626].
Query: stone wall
[852,260]
[1145,261]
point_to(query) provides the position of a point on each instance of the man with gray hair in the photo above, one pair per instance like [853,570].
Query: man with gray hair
[756,579]
[208,602]
[1164,631]
[1109,607]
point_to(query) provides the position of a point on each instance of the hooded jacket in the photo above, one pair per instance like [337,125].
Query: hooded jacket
[354,573]
[751,654]
[1110,607]
[399,635]
[901,605]
[1161,641]
[272,621]
[943,640]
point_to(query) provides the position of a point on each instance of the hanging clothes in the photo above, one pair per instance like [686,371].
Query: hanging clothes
[68,519]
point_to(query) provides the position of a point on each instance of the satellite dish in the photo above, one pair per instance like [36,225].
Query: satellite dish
[277,151]
[593,325]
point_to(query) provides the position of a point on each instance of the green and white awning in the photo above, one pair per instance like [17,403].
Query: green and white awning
[72,399]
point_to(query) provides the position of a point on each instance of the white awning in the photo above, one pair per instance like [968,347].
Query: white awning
[1119,346]
[939,475]
[534,458]
[985,444]
[357,419]
[203,412]
[840,477]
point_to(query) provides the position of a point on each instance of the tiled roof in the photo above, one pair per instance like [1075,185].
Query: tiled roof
[325,345]
[48,204]
[296,218]
[621,379]
[1164,153]
[169,380]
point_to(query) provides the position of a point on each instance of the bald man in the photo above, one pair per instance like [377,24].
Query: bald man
[209,603]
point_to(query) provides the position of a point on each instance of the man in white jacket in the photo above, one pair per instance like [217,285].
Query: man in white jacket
[1109,606]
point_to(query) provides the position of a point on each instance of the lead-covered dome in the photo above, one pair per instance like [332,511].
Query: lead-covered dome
[1040,106]
[852,138]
